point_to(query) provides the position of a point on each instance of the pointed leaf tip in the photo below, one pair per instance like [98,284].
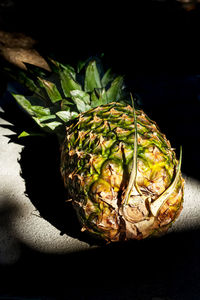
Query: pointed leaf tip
[81,99]
[26,134]
[115,91]
[65,116]
[92,77]
[51,90]
[68,83]
[107,78]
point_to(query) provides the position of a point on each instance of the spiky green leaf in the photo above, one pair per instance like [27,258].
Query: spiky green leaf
[81,64]
[47,118]
[53,125]
[24,103]
[103,97]
[92,77]
[51,90]
[65,104]
[69,69]
[68,83]
[25,134]
[98,97]
[65,116]
[107,78]
[114,92]
[40,111]
[95,101]
[59,67]
[81,99]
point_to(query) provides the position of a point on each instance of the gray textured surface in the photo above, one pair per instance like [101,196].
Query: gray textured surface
[20,221]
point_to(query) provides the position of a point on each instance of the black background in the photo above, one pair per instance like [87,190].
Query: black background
[137,37]
[156,45]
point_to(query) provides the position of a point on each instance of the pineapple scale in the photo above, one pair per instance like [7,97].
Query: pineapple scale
[96,162]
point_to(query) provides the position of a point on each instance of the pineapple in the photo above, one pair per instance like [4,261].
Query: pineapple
[119,170]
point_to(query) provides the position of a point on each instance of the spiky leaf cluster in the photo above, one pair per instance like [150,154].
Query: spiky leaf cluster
[59,96]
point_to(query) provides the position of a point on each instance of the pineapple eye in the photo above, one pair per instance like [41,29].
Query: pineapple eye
[102,192]
[112,172]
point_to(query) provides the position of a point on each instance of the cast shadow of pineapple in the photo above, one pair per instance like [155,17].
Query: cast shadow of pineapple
[40,168]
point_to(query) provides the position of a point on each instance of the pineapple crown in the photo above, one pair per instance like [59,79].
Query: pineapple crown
[60,95]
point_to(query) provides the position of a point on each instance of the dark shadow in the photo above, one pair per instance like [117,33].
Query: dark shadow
[164,268]
[137,37]
[173,101]
[40,161]
[40,168]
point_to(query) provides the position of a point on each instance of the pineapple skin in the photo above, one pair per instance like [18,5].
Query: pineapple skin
[96,162]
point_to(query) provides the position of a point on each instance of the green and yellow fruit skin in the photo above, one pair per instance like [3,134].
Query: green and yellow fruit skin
[96,163]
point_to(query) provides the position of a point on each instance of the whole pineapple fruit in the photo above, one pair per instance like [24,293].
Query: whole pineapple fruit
[118,168]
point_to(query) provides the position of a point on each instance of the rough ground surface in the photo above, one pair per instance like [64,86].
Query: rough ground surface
[20,220]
